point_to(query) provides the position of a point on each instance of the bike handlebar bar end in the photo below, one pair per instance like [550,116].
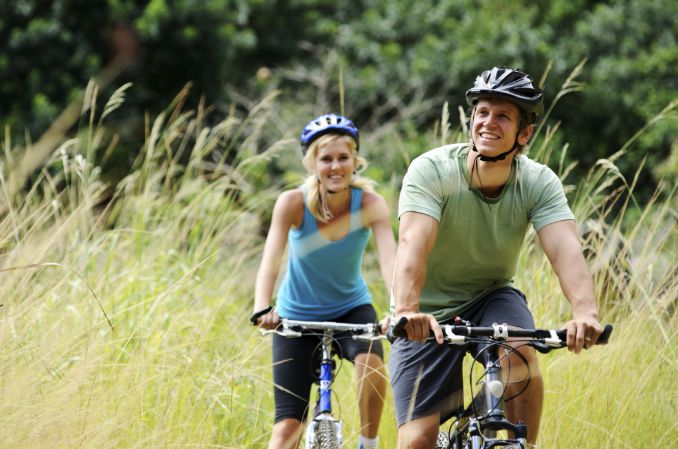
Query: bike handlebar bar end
[397,330]
[605,336]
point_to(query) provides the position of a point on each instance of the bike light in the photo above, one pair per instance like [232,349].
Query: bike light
[496,388]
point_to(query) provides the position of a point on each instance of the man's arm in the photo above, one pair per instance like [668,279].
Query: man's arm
[561,245]
[416,238]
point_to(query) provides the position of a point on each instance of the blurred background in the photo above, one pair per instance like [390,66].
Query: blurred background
[385,64]
[144,144]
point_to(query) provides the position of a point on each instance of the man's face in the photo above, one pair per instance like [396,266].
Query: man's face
[495,126]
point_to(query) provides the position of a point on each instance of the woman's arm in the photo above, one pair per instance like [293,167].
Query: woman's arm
[287,212]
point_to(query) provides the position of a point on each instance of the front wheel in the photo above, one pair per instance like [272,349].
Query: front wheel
[443,441]
[457,441]
[326,436]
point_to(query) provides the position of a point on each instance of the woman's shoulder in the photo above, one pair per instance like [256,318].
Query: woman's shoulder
[374,207]
[292,198]
[290,206]
[370,196]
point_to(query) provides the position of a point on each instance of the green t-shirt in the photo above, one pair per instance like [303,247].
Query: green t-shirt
[479,238]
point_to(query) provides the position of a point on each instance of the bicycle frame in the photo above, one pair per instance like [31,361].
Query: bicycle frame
[484,417]
[478,423]
[326,375]
[323,409]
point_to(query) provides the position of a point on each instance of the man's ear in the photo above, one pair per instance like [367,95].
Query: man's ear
[525,134]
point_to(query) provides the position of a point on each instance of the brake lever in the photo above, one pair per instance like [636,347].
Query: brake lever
[541,347]
[289,333]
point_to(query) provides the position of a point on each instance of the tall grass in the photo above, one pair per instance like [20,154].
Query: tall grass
[123,317]
[122,324]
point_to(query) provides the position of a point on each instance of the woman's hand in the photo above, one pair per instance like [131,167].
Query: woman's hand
[266,319]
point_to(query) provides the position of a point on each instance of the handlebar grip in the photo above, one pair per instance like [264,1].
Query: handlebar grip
[398,330]
[605,336]
[254,319]
[602,339]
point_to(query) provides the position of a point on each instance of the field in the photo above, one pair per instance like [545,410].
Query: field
[123,323]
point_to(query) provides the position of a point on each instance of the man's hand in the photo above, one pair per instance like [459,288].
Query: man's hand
[420,325]
[582,332]
[563,249]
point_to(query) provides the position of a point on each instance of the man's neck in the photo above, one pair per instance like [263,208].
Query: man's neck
[489,177]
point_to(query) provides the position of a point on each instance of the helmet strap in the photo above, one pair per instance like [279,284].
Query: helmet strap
[499,157]
[474,170]
[331,192]
[323,202]
[479,155]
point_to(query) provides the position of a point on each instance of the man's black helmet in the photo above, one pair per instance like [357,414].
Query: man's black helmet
[508,84]
[324,124]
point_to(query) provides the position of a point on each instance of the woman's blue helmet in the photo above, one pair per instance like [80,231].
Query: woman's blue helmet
[324,124]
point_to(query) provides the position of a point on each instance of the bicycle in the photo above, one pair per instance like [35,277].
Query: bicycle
[476,425]
[325,431]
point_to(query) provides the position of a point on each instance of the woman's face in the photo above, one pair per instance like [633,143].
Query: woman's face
[495,126]
[334,165]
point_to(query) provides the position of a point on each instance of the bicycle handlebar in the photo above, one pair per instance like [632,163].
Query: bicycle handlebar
[461,334]
[295,328]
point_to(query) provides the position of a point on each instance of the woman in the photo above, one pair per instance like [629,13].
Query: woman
[327,222]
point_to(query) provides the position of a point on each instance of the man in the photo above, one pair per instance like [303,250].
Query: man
[464,211]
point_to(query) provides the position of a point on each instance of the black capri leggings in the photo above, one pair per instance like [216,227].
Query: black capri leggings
[295,361]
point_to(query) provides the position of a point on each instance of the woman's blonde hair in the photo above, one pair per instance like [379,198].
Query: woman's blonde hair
[315,197]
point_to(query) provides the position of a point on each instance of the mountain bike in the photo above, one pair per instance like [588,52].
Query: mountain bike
[477,425]
[325,430]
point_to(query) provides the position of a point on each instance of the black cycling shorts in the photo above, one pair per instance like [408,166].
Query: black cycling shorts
[296,361]
[426,378]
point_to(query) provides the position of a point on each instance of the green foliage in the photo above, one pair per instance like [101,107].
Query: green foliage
[47,56]
[378,61]
[631,47]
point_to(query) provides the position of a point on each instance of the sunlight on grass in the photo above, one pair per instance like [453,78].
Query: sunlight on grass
[123,317]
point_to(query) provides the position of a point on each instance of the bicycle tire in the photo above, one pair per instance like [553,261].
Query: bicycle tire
[443,441]
[326,435]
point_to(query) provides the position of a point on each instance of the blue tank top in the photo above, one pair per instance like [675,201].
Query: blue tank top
[324,279]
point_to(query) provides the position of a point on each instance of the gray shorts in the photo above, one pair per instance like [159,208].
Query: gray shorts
[426,378]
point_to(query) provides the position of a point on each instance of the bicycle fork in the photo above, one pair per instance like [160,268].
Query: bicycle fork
[489,405]
[325,390]
[492,407]
[323,408]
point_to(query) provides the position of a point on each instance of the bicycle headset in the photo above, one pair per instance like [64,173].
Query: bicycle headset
[511,85]
[327,123]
